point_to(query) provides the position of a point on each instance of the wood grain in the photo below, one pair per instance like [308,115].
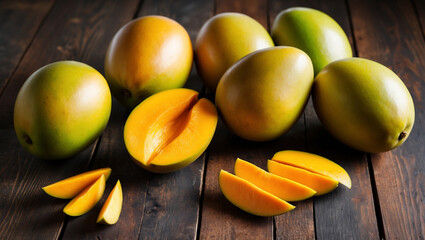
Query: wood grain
[19,22]
[389,33]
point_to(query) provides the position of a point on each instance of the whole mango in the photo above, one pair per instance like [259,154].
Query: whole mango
[223,40]
[363,104]
[261,96]
[314,32]
[147,55]
[61,109]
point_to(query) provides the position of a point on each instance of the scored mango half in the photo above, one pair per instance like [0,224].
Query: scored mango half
[313,163]
[170,130]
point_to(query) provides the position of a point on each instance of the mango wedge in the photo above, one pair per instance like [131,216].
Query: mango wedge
[314,163]
[70,187]
[251,198]
[111,209]
[170,130]
[321,184]
[283,188]
[87,199]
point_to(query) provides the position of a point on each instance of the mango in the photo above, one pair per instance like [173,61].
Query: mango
[111,209]
[282,188]
[314,32]
[70,187]
[363,104]
[223,40]
[319,183]
[314,163]
[170,130]
[61,109]
[87,199]
[261,96]
[251,198]
[147,55]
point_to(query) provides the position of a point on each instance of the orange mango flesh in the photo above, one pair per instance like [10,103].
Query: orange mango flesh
[87,199]
[170,130]
[70,187]
[111,209]
[314,163]
[321,184]
[251,198]
[283,188]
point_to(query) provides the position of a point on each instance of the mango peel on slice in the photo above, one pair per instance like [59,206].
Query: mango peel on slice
[71,187]
[283,188]
[314,163]
[87,199]
[111,209]
[170,130]
[251,198]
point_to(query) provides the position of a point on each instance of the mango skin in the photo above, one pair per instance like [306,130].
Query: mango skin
[147,55]
[223,40]
[314,32]
[261,96]
[363,104]
[61,109]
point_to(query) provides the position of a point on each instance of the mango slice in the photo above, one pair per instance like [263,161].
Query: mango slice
[320,183]
[87,199]
[251,198]
[170,130]
[111,209]
[70,187]
[283,188]
[314,163]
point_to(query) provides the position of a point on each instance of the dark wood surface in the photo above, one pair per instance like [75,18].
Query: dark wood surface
[388,193]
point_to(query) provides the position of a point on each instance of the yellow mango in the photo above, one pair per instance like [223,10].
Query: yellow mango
[283,188]
[111,209]
[70,187]
[251,198]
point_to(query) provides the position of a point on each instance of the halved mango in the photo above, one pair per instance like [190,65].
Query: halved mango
[283,188]
[70,187]
[87,199]
[170,130]
[111,209]
[314,163]
[251,198]
[320,183]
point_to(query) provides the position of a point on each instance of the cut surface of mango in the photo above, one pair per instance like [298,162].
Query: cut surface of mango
[251,198]
[283,188]
[87,199]
[111,209]
[314,163]
[320,183]
[71,187]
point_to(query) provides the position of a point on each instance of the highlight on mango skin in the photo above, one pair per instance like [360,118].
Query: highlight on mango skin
[292,176]
[170,130]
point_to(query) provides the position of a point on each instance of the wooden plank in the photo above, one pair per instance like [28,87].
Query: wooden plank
[19,21]
[389,33]
[73,30]
[220,219]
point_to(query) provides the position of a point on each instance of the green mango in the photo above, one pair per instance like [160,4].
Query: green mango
[61,109]
[314,32]
[262,95]
[363,104]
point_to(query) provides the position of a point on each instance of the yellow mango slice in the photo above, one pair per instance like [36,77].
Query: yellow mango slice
[111,209]
[251,198]
[320,183]
[70,187]
[283,188]
[87,199]
[314,163]
[170,130]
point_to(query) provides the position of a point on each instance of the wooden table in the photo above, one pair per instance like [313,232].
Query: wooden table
[388,193]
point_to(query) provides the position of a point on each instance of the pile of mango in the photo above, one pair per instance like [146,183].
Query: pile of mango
[261,81]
